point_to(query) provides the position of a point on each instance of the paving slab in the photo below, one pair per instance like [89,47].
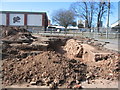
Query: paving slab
[112,45]
[92,54]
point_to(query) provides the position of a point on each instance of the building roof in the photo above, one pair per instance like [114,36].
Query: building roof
[116,21]
[23,12]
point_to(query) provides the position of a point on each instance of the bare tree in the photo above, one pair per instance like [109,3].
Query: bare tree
[85,10]
[74,24]
[63,17]
[90,10]
[101,10]
[80,25]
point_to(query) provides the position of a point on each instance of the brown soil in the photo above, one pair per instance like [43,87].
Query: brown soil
[58,63]
[45,69]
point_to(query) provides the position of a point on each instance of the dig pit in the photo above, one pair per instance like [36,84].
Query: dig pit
[62,63]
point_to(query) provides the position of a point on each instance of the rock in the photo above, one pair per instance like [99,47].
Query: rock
[73,61]
[77,87]
[101,56]
[56,81]
[69,87]
[53,86]
[47,81]
[77,81]
[73,48]
[71,81]
[33,83]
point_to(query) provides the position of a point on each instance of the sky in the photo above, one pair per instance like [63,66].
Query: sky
[49,7]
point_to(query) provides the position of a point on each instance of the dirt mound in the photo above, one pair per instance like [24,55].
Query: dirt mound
[6,31]
[105,69]
[73,48]
[48,68]
[55,64]
[16,35]
[10,31]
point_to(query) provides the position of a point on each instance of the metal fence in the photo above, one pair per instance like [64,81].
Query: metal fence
[83,32]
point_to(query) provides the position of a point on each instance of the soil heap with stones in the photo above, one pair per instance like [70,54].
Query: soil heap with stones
[13,39]
[16,35]
[60,65]
[49,68]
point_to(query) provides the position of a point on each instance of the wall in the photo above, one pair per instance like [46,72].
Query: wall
[24,19]
[16,19]
[2,19]
[34,20]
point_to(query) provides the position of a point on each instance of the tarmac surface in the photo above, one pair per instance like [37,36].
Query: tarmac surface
[112,45]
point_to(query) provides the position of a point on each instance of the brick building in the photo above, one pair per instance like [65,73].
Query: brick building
[30,20]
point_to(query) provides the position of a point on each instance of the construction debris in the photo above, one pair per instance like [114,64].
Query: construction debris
[73,48]
[54,61]
[16,35]
[46,68]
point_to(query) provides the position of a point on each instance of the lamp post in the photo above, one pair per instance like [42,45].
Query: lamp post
[108,18]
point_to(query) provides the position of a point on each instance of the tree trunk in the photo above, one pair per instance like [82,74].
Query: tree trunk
[65,30]
[98,22]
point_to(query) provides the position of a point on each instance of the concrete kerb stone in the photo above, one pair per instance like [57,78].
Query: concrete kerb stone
[91,54]
[99,56]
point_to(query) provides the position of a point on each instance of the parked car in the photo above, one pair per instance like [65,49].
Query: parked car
[83,29]
[55,28]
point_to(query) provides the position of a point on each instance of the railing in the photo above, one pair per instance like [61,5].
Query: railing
[83,32]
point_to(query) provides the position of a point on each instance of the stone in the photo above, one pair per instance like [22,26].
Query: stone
[77,86]
[33,83]
[53,85]
[73,48]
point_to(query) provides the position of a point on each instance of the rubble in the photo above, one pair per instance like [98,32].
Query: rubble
[77,87]
[43,68]
[73,48]
[33,83]
[16,35]
[54,61]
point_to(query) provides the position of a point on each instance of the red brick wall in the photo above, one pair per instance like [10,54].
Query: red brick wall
[44,18]
[25,19]
[7,19]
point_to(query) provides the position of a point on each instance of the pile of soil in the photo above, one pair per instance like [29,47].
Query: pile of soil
[73,48]
[8,31]
[16,35]
[49,68]
[106,69]
[8,51]
[54,66]
[20,51]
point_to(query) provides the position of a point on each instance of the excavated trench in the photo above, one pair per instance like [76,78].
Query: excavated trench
[24,50]
[49,67]
[56,45]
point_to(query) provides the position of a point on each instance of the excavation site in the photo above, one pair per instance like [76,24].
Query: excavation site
[30,60]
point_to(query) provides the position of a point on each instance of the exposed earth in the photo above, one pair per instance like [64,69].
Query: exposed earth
[56,62]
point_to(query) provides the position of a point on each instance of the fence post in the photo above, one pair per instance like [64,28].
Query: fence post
[107,33]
